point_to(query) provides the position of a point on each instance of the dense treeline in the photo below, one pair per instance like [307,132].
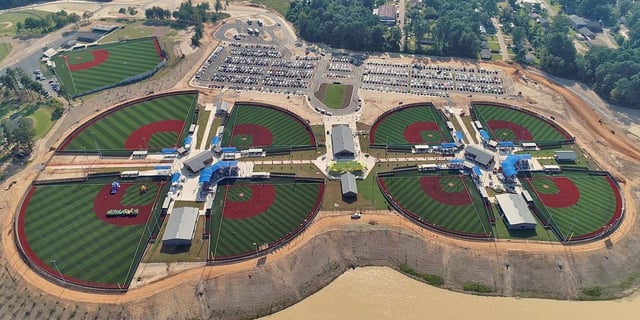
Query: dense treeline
[451,28]
[348,24]
[6,4]
[50,22]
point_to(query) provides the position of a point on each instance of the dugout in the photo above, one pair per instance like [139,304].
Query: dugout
[180,228]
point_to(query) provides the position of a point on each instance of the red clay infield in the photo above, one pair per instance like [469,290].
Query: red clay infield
[431,186]
[99,56]
[567,196]
[262,197]
[262,136]
[139,139]
[105,201]
[519,131]
[413,132]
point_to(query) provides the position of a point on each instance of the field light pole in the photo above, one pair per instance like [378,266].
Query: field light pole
[58,269]
[255,245]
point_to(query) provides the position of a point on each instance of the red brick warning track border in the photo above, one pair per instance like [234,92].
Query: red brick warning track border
[413,132]
[431,186]
[262,196]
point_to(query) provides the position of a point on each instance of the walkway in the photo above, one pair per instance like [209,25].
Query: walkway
[503,47]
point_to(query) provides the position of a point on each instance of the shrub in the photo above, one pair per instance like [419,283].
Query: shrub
[477,287]
[592,291]
[431,279]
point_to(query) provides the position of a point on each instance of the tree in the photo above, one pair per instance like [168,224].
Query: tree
[122,10]
[218,6]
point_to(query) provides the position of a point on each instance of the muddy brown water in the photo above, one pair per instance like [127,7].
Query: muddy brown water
[383,293]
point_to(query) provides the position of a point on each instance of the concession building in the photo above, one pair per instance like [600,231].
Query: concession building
[515,211]
[342,142]
[181,227]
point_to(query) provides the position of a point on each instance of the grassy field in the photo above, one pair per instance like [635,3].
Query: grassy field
[540,130]
[5,48]
[292,204]
[111,132]
[406,190]
[288,132]
[196,253]
[203,119]
[502,232]
[60,225]
[130,31]
[334,96]
[390,129]
[9,20]
[42,122]
[280,6]
[595,207]
[126,59]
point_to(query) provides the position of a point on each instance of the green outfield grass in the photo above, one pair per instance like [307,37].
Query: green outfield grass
[334,96]
[405,189]
[110,133]
[60,225]
[390,129]
[13,18]
[287,131]
[540,130]
[292,204]
[5,48]
[595,207]
[126,59]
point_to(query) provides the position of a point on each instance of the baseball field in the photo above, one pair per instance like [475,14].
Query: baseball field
[250,216]
[504,123]
[579,205]
[81,233]
[84,70]
[410,125]
[268,127]
[446,201]
[150,123]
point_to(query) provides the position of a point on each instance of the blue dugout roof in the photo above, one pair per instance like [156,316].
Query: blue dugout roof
[175,177]
[215,140]
[509,164]
[229,150]
[205,175]
[484,134]
[456,160]
[505,144]
[169,150]
[460,135]
[477,171]
[188,140]
[448,145]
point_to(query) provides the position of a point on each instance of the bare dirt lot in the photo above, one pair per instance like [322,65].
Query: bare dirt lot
[334,242]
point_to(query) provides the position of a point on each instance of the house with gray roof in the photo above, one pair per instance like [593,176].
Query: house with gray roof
[479,156]
[181,227]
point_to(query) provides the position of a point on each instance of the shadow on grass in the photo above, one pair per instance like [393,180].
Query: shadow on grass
[175,249]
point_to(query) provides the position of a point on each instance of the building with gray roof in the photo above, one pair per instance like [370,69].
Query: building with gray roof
[181,227]
[515,211]
[342,142]
[479,155]
[348,185]
[199,161]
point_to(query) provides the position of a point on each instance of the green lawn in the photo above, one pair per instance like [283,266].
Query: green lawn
[594,209]
[110,133]
[288,132]
[292,204]
[334,96]
[280,6]
[390,129]
[126,59]
[406,190]
[14,17]
[60,225]
[5,48]
[42,122]
[130,31]
[541,131]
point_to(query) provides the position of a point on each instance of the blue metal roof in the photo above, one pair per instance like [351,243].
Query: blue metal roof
[188,140]
[509,164]
[162,167]
[506,144]
[175,177]
[169,150]
[484,134]
[477,170]
[205,175]
[456,160]
[460,135]
[215,140]
[229,150]
[448,145]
